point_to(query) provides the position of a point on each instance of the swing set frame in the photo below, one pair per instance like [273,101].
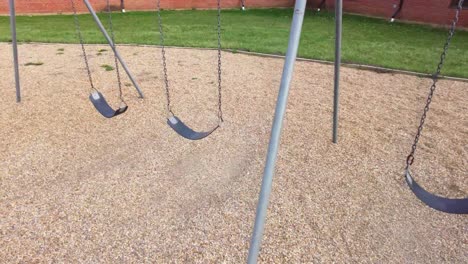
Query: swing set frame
[11,4]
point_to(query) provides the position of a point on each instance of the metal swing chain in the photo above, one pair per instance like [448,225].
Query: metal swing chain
[435,77]
[220,109]
[80,36]
[163,52]
[117,69]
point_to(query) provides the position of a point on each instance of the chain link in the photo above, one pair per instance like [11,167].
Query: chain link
[80,36]
[435,77]
[163,53]
[220,109]
[117,69]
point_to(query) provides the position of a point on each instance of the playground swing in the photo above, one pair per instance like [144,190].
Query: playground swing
[96,96]
[453,206]
[173,121]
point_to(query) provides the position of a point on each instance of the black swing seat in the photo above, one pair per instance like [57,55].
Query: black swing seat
[451,206]
[185,131]
[103,107]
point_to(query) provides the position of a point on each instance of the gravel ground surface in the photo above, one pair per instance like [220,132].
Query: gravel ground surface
[76,187]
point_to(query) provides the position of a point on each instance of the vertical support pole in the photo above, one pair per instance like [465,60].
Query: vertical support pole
[281,104]
[112,45]
[14,44]
[338,31]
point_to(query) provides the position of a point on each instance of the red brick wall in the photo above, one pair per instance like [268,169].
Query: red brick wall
[62,6]
[426,11]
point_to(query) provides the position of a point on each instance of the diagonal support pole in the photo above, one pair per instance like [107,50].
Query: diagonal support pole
[112,45]
[281,104]
[14,44]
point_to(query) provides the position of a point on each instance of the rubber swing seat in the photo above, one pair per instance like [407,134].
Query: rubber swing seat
[452,206]
[103,107]
[185,131]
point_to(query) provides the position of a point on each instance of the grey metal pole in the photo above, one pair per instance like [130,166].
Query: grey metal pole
[14,44]
[112,45]
[338,31]
[282,101]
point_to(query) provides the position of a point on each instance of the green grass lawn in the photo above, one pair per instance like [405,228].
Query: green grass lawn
[365,40]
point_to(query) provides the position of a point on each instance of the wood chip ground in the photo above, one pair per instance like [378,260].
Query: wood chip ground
[76,187]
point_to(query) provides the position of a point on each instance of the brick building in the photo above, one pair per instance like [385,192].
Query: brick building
[63,6]
[425,11]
